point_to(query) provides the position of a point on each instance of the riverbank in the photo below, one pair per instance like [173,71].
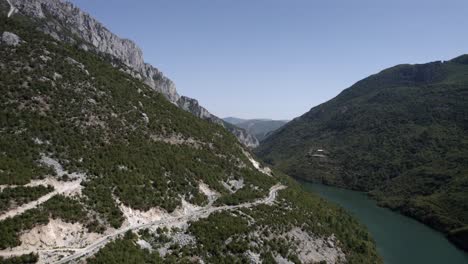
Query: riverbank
[399,239]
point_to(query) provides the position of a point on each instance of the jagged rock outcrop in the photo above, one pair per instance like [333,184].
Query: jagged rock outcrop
[192,105]
[10,39]
[61,18]
[66,18]
[154,78]
[247,139]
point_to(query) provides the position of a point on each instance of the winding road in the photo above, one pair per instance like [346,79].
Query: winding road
[172,220]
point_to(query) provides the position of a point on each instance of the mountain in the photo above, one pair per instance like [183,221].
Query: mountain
[260,128]
[401,134]
[98,165]
[234,120]
[192,106]
[67,23]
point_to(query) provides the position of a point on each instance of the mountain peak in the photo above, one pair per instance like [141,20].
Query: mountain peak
[64,16]
[68,23]
[463,59]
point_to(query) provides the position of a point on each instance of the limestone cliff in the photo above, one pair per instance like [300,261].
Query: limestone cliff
[65,22]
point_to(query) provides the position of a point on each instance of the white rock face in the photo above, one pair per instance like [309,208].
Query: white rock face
[257,165]
[315,249]
[136,217]
[10,39]
[86,27]
[192,105]
[144,245]
[253,257]
[145,117]
[57,233]
[246,138]
[206,190]
[97,37]
[154,78]
[280,260]
[233,185]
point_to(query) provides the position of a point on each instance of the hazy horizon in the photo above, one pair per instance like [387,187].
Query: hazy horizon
[276,59]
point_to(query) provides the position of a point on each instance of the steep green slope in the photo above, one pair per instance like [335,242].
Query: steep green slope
[131,151]
[401,134]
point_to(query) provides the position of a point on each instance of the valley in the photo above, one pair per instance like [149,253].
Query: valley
[399,239]
[400,134]
[102,160]
[260,128]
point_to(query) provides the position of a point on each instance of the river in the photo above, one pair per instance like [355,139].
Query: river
[399,239]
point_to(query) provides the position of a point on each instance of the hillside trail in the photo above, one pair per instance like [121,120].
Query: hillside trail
[171,220]
[62,188]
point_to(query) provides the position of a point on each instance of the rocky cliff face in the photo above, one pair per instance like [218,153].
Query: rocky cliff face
[65,22]
[62,18]
[243,136]
[192,105]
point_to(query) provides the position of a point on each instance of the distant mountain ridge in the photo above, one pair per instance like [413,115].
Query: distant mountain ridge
[234,120]
[401,134]
[67,23]
[260,128]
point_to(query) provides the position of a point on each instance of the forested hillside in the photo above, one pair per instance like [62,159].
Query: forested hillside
[401,134]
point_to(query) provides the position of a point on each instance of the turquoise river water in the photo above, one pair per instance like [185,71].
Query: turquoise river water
[399,239]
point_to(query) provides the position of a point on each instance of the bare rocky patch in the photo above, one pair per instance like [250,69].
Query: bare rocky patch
[58,168]
[178,139]
[312,249]
[57,234]
[257,165]
[206,190]
[10,39]
[233,185]
[136,217]
[66,188]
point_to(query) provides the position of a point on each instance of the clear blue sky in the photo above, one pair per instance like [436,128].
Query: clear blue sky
[278,58]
